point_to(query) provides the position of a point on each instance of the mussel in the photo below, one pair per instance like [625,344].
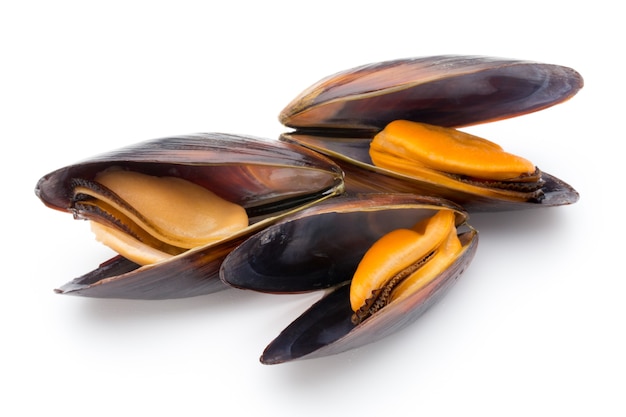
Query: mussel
[372,120]
[383,259]
[175,207]
[366,199]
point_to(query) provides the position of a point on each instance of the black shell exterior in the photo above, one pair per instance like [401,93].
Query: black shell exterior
[445,90]
[320,248]
[339,115]
[269,178]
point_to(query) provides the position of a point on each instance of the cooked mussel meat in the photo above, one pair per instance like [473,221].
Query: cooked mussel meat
[358,117]
[148,219]
[174,207]
[194,214]
[453,156]
[383,259]
[402,262]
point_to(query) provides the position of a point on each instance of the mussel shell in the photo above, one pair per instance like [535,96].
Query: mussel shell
[269,178]
[445,90]
[339,115]
[361,176]
[326,327]
[319,248]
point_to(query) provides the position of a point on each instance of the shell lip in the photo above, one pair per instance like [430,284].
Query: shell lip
[445,90]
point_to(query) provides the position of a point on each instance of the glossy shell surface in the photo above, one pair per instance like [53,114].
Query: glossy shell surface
[446,90]
[339,115]
[320,248]
[270,179]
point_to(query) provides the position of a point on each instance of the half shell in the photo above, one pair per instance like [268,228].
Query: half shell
[340,114]
[269,179]
[320,248]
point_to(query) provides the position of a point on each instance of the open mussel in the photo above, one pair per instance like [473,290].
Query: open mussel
[173,208]
[382,258]
[393,127]
[195,214]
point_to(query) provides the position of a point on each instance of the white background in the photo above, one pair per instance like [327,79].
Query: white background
[534,327]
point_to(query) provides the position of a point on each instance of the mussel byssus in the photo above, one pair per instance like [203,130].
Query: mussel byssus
[384,258]
[401,108]
[174,207]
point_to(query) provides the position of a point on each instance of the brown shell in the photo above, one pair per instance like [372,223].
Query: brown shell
[269,178]
[339,115]
[446,90]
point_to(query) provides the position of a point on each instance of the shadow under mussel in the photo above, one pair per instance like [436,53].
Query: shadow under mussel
[260,180]
[325,246]
[342,115]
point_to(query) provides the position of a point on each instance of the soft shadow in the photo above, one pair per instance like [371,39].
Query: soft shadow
[519,223]
[210,306]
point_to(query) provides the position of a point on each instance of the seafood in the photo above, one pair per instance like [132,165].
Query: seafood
[149,219]
[220,190]
[323,246]
[342,114]
[367,198]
